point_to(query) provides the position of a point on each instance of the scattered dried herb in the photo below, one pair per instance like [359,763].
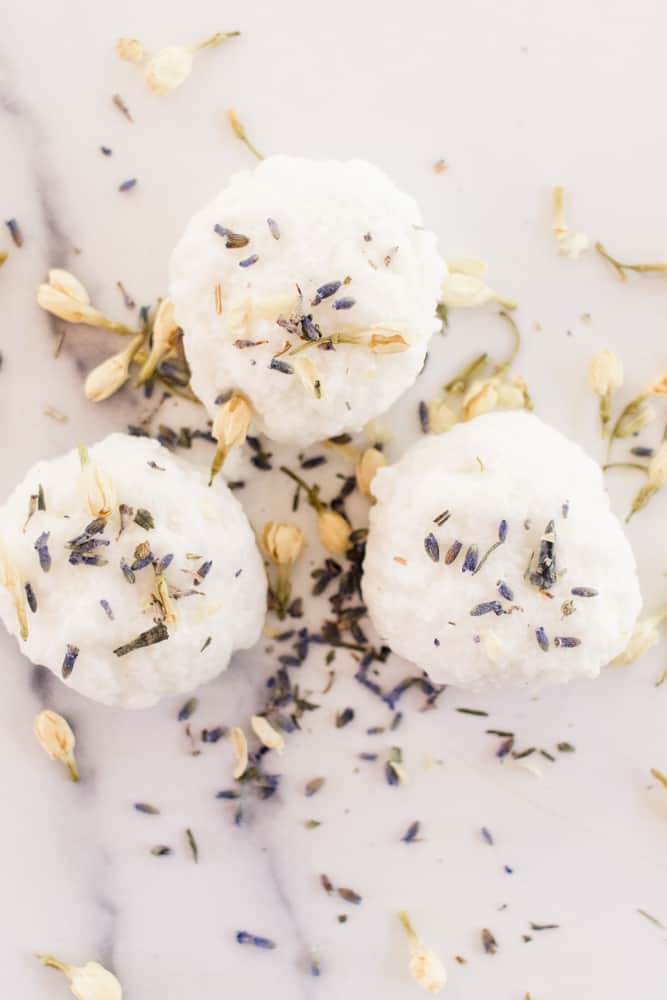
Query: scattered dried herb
[158,633]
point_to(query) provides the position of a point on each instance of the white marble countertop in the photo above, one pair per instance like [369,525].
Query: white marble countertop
[515,97]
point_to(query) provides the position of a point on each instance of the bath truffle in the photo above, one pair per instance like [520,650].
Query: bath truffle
[312,287]
[128,576]
[493,557]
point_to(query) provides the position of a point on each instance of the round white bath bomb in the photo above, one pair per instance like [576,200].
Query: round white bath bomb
[215,576]
[555,600]
[306,225]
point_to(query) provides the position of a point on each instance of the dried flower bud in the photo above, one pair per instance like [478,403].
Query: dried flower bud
[605,374]
[97,487]
[109,376]
[425,967]
[474,266]
[11,580]
[266,734]
[369,462]
[657,477]
[164,333]
[87,982]
[240,748]
[467,291]
[282,542]
[334,531]
[56,737]
[130,49]
[441,417]
[64,296]
[230,428]
[634,421]
[307,371]
[643,637]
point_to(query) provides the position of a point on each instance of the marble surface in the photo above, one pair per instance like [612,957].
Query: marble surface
[515,97]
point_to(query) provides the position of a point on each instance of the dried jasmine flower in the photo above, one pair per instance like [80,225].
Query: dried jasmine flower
[164,335]
[659,267]
[605,377]
[112,374]
[65,297]
[370,460]
[657,477]
[425,966]
[465,288]
[244,937]
[158,633]
[230,428]
[170,67]
[130,49]
[87,982]
[69,660]
[569,244]
[283,543]
[55,736]
[240,132]
[313,786]
[489,943]
[266,734]
[96,485]
[334,530]
[240,748]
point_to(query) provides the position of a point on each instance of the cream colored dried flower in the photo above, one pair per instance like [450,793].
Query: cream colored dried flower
[240,748]
[171,66]
[10,579]
[266,734]
[388,343]
[657,477]
[163,598]
[164,334]
[55,735]
[309,375]
[369,462]
[485,395]
[376,431]
[474,266]
[441,417]
[570,245]
[425,966]
[334,531]
[130,49]
[605,376]
[65,297]
[282,542]
[97,487]
[109,376]
[644,636]
[87,982]
[230,428]
[468,291]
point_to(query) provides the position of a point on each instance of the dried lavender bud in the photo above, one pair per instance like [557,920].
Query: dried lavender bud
[542,638]
[69,660]
[567,641]
[486,607]
[584,592]
[432,547]
[505,591]
[452,552]
[344,303]
[470,560]
[42,548]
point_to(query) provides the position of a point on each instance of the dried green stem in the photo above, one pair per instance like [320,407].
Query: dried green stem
[656,267]
[219,36]
[625,465]
[501,368]
[460,380]
[312,492]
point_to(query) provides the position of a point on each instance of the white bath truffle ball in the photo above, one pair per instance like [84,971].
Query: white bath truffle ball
[494,559]
[287,255]
[133,578]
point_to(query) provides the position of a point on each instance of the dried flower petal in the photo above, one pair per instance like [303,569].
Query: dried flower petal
[468,291]
[240,747]
[369,462]
[112,374]
[56,737]
[97,487]
[266,734]
[168,69]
